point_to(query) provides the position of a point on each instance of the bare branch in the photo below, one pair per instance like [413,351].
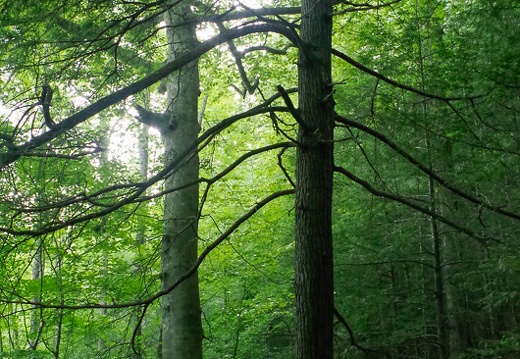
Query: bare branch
[65,125]
[386,262]
[353,342]
[282,167]
[268,49]
[294,112]
[243,14]
[145,302]
[410,204]
[238,161]
[135,190]
[425,169]
[249,88]
[153,119]
[362,7]
[374,73]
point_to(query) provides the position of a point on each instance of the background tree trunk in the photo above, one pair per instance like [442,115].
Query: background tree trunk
[36,275]
[439,279]
[181,322]
[140,236]
[314,166]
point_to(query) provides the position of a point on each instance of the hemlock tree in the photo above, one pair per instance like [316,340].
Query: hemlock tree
[314,165]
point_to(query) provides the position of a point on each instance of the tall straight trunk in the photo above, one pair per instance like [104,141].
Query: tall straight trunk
[440,300]
[36,314]
[60,312]
[314,168]
[38,266]
[439,272]
[140,236]
[181,320]
[143,174]
[101,229]
[452,253]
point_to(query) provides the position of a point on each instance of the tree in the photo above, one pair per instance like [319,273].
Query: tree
[181,334]
[398,259]
[179,130]
[389,112]
[314,164]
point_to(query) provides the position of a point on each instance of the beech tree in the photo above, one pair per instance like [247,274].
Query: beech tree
[181,333]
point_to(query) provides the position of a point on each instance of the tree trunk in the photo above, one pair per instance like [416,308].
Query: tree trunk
[140,236]
[36,314]
[181,321]
[101,229]
[314,166]
[36,326]
[443,332]
[451,255]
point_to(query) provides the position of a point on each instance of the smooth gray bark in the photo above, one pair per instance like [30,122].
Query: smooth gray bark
[36,275]
[181,320]
[140,236]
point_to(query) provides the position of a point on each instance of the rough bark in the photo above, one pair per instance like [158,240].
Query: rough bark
[181,321]
[314,167]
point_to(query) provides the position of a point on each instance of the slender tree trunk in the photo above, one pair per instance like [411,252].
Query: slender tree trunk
[38,268]
[104,163]
[314,167]
[59,279]
[440,300]
[143,172]
[439,275]
[181,321]
[141,230]
[36,314]
[451,252]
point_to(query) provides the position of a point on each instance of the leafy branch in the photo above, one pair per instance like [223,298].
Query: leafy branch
[134,191]
[147,301]
[13,154]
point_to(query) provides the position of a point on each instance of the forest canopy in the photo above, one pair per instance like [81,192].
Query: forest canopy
[267,179]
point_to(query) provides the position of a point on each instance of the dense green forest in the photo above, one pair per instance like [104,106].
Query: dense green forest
[260,179]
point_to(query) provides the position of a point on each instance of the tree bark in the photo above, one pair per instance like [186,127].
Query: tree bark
[140,236]
[36,314]
[452,252]
[314,168]
[181,321]
[443,332]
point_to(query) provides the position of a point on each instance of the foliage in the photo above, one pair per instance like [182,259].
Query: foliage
[78,201]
